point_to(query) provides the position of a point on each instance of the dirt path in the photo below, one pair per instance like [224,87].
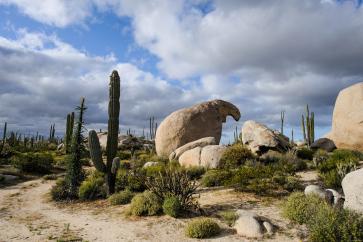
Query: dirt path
[26,214]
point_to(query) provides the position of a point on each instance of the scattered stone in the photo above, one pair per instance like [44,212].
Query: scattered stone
[150,163]
[60,146]
[189,124]
[324,143]
[251,225]
[353,190]
[347,124]
[337,197]
[260,138]
[198,143]
[315,189]
[269,227]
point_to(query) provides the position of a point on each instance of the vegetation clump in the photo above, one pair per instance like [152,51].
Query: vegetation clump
[235,156]
[92,188]
[229,217]
[145,204]
[201,228]
[324,222]
[33,162]
[120,198]
[172,206]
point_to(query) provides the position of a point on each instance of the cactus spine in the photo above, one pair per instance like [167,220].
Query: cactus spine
[4,138]
[112,162]
[309,131]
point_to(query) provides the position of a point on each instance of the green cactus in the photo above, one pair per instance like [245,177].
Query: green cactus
[282,121]
[309,135]
[112,136]
[74,175]
[4,137]
[69,132]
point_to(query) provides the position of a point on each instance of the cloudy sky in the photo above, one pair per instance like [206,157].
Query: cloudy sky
[264,56]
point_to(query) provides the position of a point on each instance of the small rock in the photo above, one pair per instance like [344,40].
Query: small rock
[315,189]
[150,163]
[269,227]
[336,196]
[247,225]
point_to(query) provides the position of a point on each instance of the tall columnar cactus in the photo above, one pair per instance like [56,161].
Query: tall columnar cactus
[112,162]
[4,138]
[153,127]
[74,174]
[309,131]
[282,121]
[69,131]
[52,133]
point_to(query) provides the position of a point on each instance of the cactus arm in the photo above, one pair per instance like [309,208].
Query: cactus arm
[95,151]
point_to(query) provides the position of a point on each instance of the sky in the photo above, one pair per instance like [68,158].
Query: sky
[263,56]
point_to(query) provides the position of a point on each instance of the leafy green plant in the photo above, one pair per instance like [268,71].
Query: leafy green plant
[229,217]
[33,162]
[320,157]
[92,188]
[121,198]
[172,206]
[202,228]
[216,177]
[305,153]
[235,156]
[146,203]
[195,172]
[324,222]
[60,191]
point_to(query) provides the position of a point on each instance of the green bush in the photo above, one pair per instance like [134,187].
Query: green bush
[133,180]
[235,156]
[123,155]
[195,172]
[229,217]
[172,206]
[60,191]
[121,198]
[324,222]
[215,177]
[305,153]
[146,203]
[202,228]
[50,177]
[339,163]
[92,188]
[33,162]
[320,157]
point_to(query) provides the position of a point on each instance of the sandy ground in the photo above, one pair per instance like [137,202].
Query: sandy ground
[27,214]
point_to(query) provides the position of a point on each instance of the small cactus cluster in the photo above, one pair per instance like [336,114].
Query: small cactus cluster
[113,162]
[52,133]
[308,130]
[237,136]
[69,132]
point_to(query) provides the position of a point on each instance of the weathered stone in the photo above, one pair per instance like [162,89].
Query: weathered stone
[353,190]
[315,190]
[269,227]
[198,143]
[337,197]
[189,124]
[190,157]
[248,225]
[211,155]
[150,163]
[260,138]
[324,143]
[347,124]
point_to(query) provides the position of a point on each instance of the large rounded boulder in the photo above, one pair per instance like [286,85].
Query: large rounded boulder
[353,190]
[347,124]
[189,124]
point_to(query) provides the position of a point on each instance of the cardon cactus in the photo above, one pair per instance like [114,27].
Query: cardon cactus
[69,131]
[112,163]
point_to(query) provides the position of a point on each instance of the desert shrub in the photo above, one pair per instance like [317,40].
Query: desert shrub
[324,222]
[339,163]
[229,217]
[172,206]
[60,191]
[320,157]
[202,228]
[121,198]
[33,162]
[216,177]
[133,180]
[50,177]
[123,155]
[146,203]
[92,188]
[174,182]
[154,170]
[235,156]
[305,153]
[195,172]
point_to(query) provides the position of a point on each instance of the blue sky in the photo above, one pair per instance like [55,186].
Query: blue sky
[263,56]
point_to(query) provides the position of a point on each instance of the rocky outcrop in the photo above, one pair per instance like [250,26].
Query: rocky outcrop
[207,156]
[198,143]
[260,138]
[251,225]
[353,190]
[191,124]
[125,141]
[347,123]
[324,144]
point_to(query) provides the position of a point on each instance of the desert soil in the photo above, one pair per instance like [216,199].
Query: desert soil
[27,214]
